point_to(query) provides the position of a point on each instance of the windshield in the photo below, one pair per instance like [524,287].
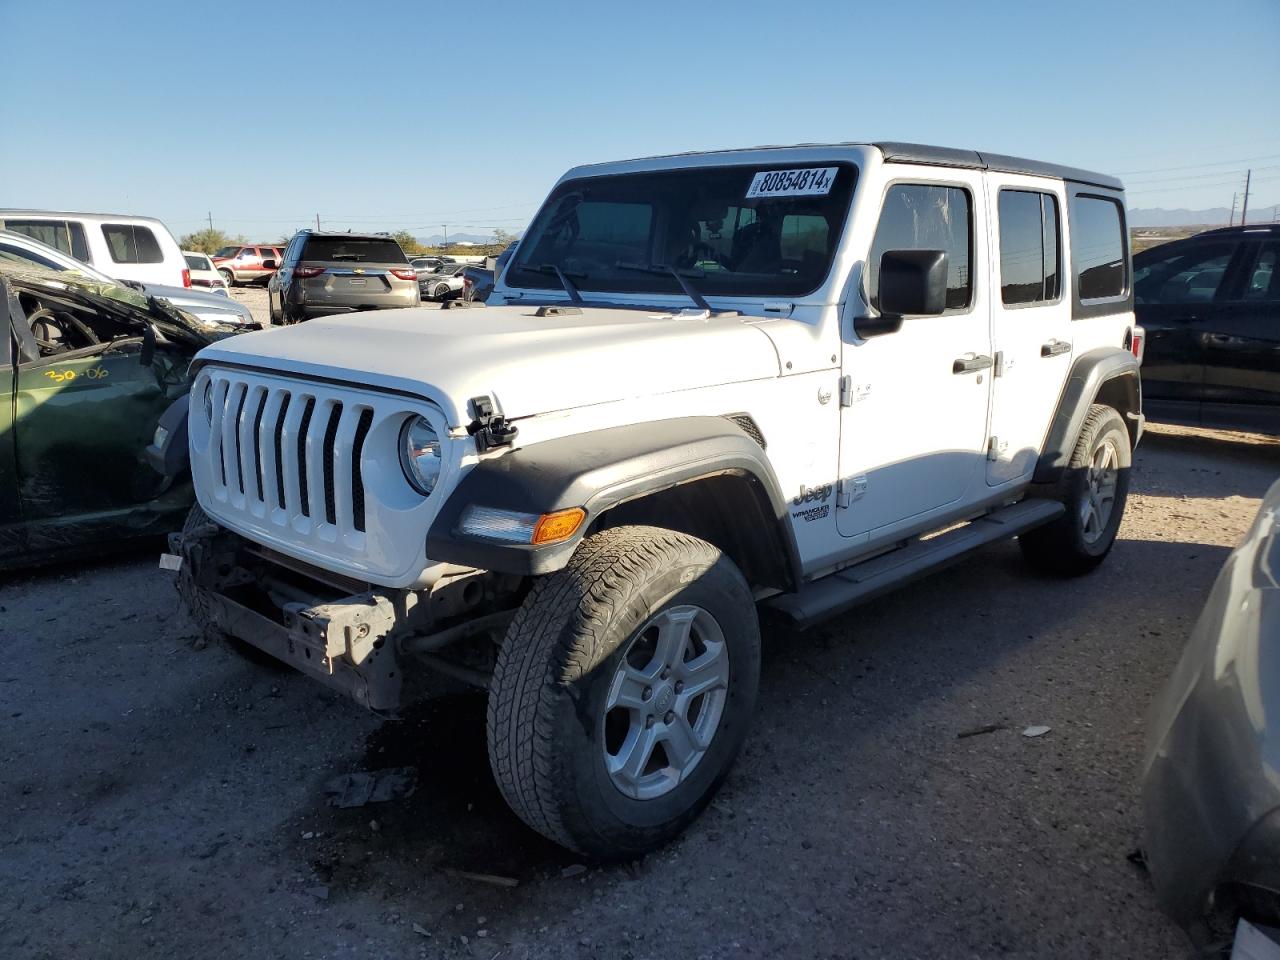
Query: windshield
[228,251]
[355,249]
[735,231]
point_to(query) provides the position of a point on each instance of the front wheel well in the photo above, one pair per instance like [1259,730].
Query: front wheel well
[730,511]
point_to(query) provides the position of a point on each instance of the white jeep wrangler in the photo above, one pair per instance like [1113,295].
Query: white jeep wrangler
[791,378]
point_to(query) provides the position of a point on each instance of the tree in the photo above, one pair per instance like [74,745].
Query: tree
[207,241]
[502,239]
[408,243]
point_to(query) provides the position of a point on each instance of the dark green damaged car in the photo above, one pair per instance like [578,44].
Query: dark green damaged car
[86,371]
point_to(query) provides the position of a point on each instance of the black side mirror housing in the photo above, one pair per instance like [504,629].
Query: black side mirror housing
[269,264]
[913,283]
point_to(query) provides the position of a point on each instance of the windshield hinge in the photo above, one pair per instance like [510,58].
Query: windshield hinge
[998,370]
[779,308]
[489,428]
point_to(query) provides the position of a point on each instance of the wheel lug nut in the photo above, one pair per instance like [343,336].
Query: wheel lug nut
[648,722]
[648,693]
[665,674]
[669,717]
[679,687]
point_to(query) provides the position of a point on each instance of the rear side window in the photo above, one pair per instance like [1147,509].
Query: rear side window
[354,250]
[919,216]
[131,243]
[1097,248]
[1029,259]
[65,235]
[1182,275]
[1263,282]
[198,262]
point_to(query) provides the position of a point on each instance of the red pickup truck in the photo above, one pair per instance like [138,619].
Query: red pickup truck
[242,263]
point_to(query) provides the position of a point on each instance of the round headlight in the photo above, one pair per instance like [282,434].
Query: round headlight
[420,454]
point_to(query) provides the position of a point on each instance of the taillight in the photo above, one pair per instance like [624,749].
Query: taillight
[186,278]
[1139,338]
[307,272]
[404,274]
[468,282]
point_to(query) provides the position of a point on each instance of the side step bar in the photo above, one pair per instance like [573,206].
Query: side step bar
[845,589]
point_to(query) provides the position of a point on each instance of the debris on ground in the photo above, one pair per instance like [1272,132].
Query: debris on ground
[1036,731]
[319,892]
[377,786]
[979,731]
[420,930]
[489,878]
[573,870]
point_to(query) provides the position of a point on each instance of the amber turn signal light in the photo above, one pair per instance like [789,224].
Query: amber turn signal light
[561,525]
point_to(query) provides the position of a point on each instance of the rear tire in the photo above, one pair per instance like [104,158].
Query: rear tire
[228,278]
[623,691]
[1094,489]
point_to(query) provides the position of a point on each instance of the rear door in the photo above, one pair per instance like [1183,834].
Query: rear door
[1031,320]
[1239,337]
[1177,299]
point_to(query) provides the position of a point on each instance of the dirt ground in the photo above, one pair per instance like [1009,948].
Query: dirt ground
[166,801]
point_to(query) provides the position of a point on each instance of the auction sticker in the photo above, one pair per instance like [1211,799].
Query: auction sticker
[807,182]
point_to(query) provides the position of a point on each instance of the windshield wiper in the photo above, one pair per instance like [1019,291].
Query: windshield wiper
[661,269]
[569,288]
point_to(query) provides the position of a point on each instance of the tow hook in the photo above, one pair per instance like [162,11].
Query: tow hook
[489,428]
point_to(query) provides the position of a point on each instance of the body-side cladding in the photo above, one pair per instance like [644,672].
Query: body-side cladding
[1108,372]
[599,471]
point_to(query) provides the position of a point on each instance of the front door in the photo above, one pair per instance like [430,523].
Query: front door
[1031,321]
[913,432]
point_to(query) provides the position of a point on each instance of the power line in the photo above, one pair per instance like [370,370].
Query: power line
[1197,166]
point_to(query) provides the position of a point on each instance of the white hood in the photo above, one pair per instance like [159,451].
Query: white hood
[528,364]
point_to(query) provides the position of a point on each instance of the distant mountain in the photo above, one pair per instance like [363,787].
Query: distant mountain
[1213,217]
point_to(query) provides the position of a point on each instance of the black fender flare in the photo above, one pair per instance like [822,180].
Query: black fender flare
[598,471]
[1091,373]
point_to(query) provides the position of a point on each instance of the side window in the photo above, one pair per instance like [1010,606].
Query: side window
[1029,259]
[1185,275]
[1097,248]
[919,216]
[64,235]
[1263,282]
[130,243]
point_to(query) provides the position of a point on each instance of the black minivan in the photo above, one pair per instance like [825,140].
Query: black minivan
[1210,305]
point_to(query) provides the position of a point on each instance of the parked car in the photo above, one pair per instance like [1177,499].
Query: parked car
[481,277]
[328,273]
[120,246]
[212,310]
[1211,775]
[204,275]
[87,369]
[448,284]
[238,263]
[426,265]
[797,377]
[1211,307]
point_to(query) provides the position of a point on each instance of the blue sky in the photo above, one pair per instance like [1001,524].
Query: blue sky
[381,115]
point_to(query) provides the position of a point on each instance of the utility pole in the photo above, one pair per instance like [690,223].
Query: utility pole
[1244,210]
[1234,198]
[446,235]
[211,221]
[317,221]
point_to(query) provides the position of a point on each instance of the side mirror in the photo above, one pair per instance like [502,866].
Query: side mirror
[913,283]
[269,264]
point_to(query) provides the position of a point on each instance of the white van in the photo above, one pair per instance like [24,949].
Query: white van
[124,247]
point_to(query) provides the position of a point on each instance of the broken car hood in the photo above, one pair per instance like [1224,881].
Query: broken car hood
[528,364]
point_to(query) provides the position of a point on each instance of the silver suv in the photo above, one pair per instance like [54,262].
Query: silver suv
[327,273]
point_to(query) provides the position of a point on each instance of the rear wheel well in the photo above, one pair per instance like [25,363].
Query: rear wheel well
[730,511]
[1124,394]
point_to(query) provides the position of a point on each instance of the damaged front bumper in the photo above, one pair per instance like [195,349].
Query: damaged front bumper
[360,640]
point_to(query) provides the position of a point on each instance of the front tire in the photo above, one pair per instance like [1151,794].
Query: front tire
[1094,489]
[623,691]
[228,278]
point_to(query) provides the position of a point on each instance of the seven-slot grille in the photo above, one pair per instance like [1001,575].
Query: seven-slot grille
[283,452]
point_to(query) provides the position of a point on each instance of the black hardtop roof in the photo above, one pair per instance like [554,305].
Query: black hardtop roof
[346,235]
[1265,229]
[972,159]
[896,152]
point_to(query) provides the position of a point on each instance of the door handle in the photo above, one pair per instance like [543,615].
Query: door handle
[1054,348]
[970,364]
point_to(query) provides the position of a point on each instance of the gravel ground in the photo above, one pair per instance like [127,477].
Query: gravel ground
[167,801]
